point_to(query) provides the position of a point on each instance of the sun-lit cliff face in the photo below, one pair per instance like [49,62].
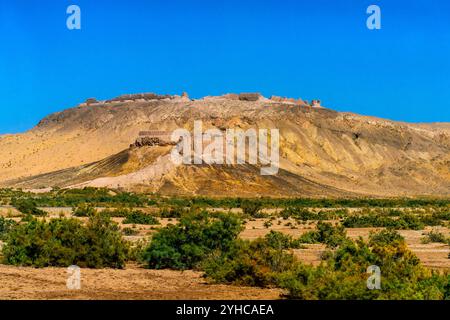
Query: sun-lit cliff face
[322,152]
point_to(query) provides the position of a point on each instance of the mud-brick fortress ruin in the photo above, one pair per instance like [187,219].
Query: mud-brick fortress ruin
[163,138]
[142,97]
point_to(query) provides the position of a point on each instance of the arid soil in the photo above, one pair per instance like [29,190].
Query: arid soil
[132,283]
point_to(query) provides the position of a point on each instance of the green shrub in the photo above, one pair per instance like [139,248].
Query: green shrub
[309,237]
[64,242]
[278,240]
[343,275]
[129,231]
[184,245]
[252,208]
[385,237]
[138,217]
[431,220]
[5,226]
[84,210]
[434,236]
[297,213]
[326,233]
[173,212]
[253,263]
[403,222]
[28,206]
[116,213]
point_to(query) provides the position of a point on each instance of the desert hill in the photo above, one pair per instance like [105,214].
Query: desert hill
[322,152]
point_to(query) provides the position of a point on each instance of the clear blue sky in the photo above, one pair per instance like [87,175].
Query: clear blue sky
[308,49]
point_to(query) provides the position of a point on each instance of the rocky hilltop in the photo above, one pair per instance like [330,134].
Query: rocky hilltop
[322,152]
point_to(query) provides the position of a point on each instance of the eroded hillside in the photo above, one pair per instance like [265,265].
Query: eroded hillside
[322,152]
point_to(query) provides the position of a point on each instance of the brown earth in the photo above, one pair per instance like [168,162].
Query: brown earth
[131,283]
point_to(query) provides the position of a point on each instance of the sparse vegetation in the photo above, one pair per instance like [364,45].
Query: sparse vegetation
[434,236]
[203,238]
[343,275]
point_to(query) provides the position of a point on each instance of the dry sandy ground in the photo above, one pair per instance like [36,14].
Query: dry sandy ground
[131,283]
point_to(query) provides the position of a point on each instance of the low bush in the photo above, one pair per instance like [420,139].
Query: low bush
[172,212]
[129,231]
[385,237]
[184,245]
[325,233]
[27,206]
[64,242]
[434,236]
[305,214]
[252,263]
[84,210]
[138,217]
[117,213]
[403,222]
[252,208]
[278,240]
[5,227]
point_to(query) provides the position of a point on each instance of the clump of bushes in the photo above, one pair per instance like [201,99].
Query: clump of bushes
[278,240]
[402,222]
[138,217]
[252,208]
[27,206]
[5,226]
[117,213]
[131,216]
[343,275]
[64,242]
[266,262]
[186,244]
[325,233]
[172,212]
[434,236]
[84,210]
[385,237]
[304,214]
[129,231]
[253,263]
